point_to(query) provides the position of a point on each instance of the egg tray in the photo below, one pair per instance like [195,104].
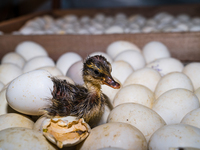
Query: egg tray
[184,46]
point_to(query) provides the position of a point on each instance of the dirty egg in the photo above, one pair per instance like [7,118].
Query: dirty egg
[24,139]
[192,118]
[174,104]
[140,116]
[171,81]
[147,77]
[116,134]
[134,93]
[15,120]
[176,135]
[29,93]
[63,131]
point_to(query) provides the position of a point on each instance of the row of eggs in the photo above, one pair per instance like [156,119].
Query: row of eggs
[157,95]
[102,24]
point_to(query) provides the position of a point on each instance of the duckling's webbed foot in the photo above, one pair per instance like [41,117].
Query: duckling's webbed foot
[60,104]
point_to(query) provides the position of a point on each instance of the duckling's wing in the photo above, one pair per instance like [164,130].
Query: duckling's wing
[65,96]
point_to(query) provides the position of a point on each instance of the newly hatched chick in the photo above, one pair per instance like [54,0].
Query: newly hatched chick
[84,102]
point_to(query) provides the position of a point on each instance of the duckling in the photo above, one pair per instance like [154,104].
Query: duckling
[87,101]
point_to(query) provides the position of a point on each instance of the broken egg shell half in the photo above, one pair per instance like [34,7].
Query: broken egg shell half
[64,131]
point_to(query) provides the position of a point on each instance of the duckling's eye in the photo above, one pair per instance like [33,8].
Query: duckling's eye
[96,72]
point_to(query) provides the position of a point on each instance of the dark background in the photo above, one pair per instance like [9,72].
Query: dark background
[13,8]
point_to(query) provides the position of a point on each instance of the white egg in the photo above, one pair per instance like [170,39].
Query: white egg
[171,81]
[8,72]
[54,71]
[134,93]
[4,107]
[192,118]
[13,58]
[104,117]
[110,92]
[75,72]
[155,50]
[15,120]
[166,65]
[68,79]
[38,62]
[118,135]
[114,29]
[176,135]
[66,60]
[147,77]
[24,139]
[121,70]
[174,104]
[29,49]
[140,116]
[117,47]
[109,59]
[29,93]
[192,70]
[134,58]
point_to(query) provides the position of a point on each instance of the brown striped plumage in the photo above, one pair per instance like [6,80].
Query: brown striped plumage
[87,101]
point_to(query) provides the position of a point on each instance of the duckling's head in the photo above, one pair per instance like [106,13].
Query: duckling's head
[97,71]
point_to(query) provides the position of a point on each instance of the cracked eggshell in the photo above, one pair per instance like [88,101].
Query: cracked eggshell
[134,58]
[119,46]
[8,72]
[29,49]
[166,65]
[64,131]
[121,70]
[155,50]
[66,60]
[140,116]
[192,70]
[38,62]
[147,77]
[171,81]
[134,93]
[4,107]
[118,135]
[192,118]
[24,139]
[174,104]
[13,58]
[54,71]
[75,72]
[15,120]
[29,93]
[176,135]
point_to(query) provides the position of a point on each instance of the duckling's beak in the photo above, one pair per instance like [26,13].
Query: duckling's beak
[111,82]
